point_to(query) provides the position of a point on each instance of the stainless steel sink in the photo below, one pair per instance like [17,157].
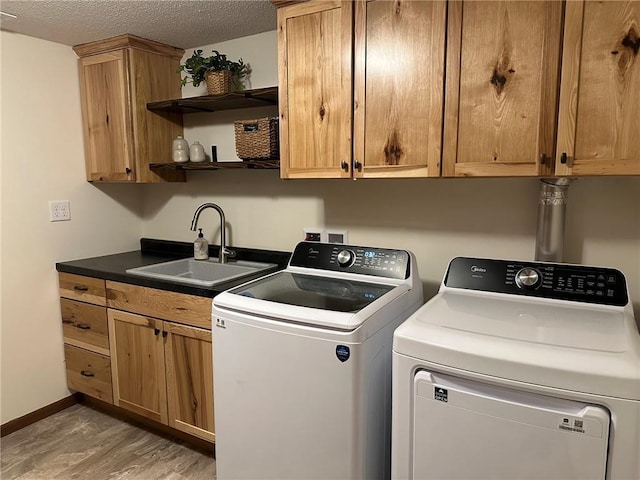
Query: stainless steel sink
[201,272]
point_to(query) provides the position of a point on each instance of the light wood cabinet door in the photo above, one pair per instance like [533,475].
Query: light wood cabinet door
[137,364]
[502,77]
[398,88]
[118,77]
[315,91]
[599,124]
[107,121]
[189,362]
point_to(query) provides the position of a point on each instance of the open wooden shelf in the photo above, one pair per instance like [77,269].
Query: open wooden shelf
[260,97]
[247,164]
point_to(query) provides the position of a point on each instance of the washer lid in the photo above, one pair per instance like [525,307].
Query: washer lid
[564,345]
[324,301]
[334,294]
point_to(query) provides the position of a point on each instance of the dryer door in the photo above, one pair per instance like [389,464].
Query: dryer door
[465,429]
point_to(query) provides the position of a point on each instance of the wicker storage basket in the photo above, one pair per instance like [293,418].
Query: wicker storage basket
[218,82]
[257,139]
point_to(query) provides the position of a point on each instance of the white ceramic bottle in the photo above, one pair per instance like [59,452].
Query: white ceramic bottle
[196,152]
[201,247]
[180,150]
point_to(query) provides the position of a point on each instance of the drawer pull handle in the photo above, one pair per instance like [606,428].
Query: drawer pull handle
[83,326]
[80,288]
[85,373]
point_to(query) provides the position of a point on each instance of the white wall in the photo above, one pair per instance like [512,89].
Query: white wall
[437,219]
[42,160]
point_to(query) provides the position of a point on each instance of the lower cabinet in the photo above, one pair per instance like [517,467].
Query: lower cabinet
[163,371]
[141,349]
[189,362]
[88,372]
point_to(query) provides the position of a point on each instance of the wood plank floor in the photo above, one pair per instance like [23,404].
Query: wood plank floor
[81,443]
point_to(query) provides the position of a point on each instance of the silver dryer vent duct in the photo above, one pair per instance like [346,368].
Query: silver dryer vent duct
[552,207]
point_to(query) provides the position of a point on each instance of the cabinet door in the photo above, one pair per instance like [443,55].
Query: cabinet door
[189,357]
[398,88]
[137,364]
[315,98]
[599,125]
[502,77]
[108,141]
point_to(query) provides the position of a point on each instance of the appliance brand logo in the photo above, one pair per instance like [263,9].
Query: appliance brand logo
[313,251]
[476,269]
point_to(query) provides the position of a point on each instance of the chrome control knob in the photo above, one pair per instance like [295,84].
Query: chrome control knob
[528,278]
[346,258]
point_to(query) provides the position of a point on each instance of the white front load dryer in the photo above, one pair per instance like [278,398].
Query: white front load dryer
[518,370]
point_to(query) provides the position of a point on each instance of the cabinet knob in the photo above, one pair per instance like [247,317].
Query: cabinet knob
[156,331]
[543,159]
[127,170]
[344,165]
[357,166]
[566,159]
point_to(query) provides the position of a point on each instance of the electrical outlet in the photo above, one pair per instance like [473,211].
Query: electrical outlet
[59,211]
[337,236]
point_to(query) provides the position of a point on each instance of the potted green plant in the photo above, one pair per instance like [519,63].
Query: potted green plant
[217,71]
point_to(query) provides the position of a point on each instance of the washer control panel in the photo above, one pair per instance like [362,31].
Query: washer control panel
[580,283]
[381,262]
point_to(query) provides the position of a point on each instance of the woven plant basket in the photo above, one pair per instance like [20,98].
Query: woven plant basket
[257,139]
[218,82]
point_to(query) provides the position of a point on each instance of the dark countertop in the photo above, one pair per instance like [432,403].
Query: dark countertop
[113,267]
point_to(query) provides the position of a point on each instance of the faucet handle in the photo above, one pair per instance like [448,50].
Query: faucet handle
[230,253]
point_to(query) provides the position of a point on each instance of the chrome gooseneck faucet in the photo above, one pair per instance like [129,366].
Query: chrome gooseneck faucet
[224,252]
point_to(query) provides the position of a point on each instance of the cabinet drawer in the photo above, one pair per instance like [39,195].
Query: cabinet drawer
[89,373]
[85,325]
[177,307]
[85,289]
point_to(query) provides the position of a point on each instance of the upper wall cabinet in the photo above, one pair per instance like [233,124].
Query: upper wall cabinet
[118,77]
[388,94]
[398,88]
[315,96]
[502,82]
[599,124]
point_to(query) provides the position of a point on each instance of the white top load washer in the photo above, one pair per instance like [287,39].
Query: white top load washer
[519,370]
[302,362]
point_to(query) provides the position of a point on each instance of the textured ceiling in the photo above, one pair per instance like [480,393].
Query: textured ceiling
[184,24]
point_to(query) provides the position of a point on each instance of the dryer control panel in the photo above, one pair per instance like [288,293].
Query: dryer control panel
[381,262]
[606,286]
